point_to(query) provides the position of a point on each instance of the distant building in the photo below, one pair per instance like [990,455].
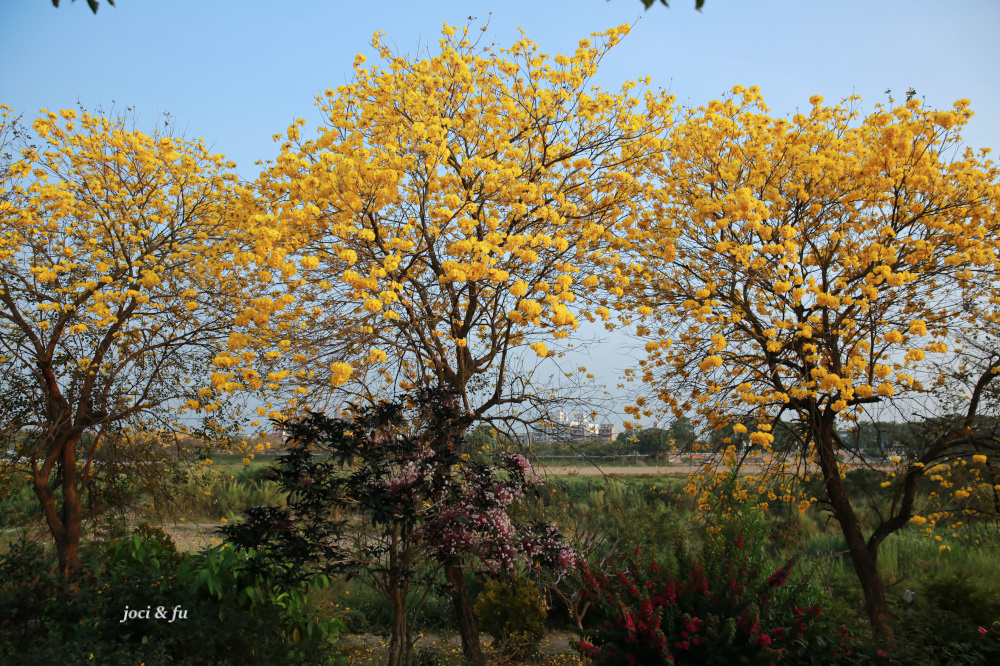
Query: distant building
[582,430]
[563,427]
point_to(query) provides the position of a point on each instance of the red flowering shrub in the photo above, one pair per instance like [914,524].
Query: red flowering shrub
[688,613]
[726,605]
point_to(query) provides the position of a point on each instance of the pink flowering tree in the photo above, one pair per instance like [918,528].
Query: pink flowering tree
[473,523]
[390,496]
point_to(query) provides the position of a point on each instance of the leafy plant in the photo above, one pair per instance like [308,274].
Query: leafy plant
[656,613]
[224,616]
[726,604]
[420,506]
[513,610]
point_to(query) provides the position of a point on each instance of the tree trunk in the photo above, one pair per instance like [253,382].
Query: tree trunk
[65,522]
[862,558]
[398,638]
[471,648]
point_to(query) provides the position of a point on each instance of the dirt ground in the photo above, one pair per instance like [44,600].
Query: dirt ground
[192,536]
[555,643]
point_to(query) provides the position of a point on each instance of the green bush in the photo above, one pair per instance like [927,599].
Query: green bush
[230,619]
[18,505]
[723,610]
[437,656]
[21,560]
[935,637]
[728,603]
[513,611]
[954,620]
[148,546]
[977,602]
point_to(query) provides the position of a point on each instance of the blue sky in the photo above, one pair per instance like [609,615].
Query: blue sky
[235,72]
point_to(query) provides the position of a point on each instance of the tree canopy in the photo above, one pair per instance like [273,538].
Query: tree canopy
[440,226]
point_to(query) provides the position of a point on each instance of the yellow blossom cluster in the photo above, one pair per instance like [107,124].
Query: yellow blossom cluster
[450,211]
[116,258]
[816,260]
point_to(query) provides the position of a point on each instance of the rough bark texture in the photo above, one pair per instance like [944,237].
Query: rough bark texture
[401,637]
[64,522]
[467,628]
[398,643]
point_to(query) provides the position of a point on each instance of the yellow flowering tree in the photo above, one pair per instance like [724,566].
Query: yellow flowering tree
[114,288]
[823,262]
[446,222]
[442,227]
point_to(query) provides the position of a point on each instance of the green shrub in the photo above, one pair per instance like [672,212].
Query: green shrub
[19,507]
[437,656]
[230,619]
[152,533]
[513,611]
[974,601]
[22,559]
[437,613]
[954,620]
[693,611]
[935,637]
[148,547]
